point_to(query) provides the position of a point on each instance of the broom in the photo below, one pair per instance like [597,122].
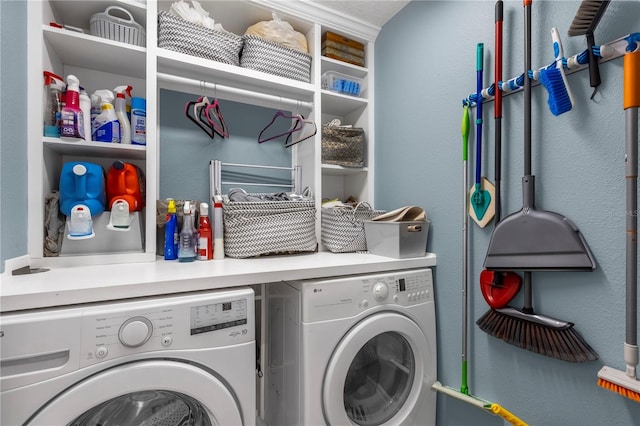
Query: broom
[627,383]
[524,328]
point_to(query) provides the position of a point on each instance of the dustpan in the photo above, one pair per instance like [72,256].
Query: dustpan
[531,239]
[537,240]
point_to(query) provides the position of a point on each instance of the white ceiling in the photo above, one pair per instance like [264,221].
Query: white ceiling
[375,12]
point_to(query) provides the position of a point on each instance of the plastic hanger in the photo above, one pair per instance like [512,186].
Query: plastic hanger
[296,126]
[304,122]
[215,119]
[195,118]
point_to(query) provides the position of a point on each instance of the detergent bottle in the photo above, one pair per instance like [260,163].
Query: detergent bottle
[71,117]
[106,128]
[82,183]
[125,181]
[52,104]
[121,113]
[171,235]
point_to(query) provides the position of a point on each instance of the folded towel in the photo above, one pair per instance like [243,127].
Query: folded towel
[403,214]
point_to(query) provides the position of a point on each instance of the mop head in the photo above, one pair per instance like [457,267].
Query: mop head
[526,331]
[617,381]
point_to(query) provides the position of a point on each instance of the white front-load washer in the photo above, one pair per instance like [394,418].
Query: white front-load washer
[357,350]
[174,360]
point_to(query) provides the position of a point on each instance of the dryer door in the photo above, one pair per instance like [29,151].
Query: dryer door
[154,392]
[375,375]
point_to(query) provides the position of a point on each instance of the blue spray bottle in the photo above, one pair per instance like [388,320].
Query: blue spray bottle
[171,232]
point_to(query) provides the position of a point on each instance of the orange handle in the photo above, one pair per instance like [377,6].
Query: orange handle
[632,80]
[527,2]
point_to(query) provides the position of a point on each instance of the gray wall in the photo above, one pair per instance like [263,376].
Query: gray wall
[13,125]
[425,66]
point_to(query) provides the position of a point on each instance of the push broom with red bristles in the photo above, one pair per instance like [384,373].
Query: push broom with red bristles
[627,383]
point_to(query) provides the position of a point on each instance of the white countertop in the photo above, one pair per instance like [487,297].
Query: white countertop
[73,285]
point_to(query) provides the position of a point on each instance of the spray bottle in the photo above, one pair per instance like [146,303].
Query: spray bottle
[121,113]
[187,247]
[171,232]
[85,106]
[52,104]
[205,240]
[106,128]
[72,120]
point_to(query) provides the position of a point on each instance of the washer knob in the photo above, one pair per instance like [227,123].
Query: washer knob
[380,291]
[135,332]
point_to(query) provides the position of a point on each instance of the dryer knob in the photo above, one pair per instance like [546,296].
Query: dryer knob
[380,291]
[135,332]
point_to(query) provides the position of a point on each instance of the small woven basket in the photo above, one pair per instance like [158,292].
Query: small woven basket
[274,58]
[109,26]
[342,227]
[255,228]
[343,146]
[174,33]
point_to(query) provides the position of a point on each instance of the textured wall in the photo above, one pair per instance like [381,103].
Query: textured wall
[425,66]
[13,130]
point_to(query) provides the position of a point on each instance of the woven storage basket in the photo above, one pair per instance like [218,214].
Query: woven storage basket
[174,33]
[255,228]
[342,227]
[343,146]
[274,58]
[106,25]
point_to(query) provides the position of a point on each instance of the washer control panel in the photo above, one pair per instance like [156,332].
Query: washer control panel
[348,296]
[170,323]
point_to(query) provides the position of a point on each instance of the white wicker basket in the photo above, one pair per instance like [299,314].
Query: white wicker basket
[274,58]
[106,25]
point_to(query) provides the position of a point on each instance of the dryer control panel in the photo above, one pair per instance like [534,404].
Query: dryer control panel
[349,296]
[170,323]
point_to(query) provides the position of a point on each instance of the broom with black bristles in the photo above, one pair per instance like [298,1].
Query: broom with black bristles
[524,328]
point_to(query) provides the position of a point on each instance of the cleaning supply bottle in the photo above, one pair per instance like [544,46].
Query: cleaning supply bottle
[52,104]
[171,232]
[71,118]
[138,121]
[85,106]
[187,247]
[106,128]
[218,244]
[121,113]
[205,240]
[126,181]
[95,109]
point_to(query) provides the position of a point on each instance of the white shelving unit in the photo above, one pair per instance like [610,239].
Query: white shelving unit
[100,63]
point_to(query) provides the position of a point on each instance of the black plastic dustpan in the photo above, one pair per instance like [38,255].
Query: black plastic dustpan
[537,240]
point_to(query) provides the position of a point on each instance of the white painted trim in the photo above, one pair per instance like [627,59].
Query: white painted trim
[14,263]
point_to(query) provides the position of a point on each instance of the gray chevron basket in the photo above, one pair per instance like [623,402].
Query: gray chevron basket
[274,58]
[268,227]
[342,227]
[174,33]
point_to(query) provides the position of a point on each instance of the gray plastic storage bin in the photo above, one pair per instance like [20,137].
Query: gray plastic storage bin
[397,239]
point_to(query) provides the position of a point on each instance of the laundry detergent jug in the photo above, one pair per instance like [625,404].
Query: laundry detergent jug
[82,183]
[125,181]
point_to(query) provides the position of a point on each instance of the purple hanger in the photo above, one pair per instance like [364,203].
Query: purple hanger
[212,113]
[297,126]
[288,144]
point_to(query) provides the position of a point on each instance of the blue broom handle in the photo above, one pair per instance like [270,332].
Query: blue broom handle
[479,83]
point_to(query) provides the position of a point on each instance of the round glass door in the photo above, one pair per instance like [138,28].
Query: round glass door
[376,372]
[149,393]
[146,408]
[379,380]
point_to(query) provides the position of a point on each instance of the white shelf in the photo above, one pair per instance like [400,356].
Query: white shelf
[192,67]
[333,170]
[330,64]
[96,149]
[341,105]
[91,52]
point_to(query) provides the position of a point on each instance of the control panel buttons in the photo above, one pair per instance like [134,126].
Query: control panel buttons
[365,303]
[167,341]
[101,352]
[135,332]
[380,291]
[396,298]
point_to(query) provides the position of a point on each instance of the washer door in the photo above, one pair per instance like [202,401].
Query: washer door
[375,374]
[144,393]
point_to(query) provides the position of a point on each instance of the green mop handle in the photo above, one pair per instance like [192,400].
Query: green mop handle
[464,388]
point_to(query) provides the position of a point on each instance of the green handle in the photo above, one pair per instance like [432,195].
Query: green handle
[465,131]
[479,55]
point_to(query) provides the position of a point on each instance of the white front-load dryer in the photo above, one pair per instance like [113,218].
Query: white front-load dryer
[357,350]
[176,360]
